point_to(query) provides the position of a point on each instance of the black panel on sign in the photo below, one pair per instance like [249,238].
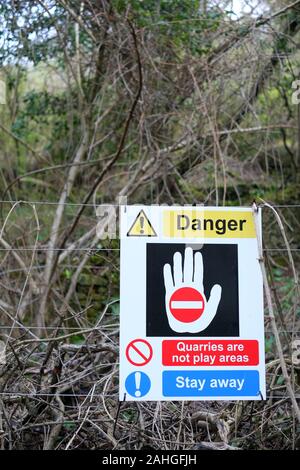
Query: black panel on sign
[220,266]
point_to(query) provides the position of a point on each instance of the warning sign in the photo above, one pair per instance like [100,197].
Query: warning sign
[141,227]
[191,305]
[186,304]
[198,289]
[139,352]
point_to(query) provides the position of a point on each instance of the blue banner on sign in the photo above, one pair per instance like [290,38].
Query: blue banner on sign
[211,383]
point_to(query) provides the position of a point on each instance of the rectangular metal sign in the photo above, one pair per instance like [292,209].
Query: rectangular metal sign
[191,304]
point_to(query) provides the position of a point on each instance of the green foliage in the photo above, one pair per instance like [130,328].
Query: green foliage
[40,107]
[180,21]
[28,32]
[77,339]
[115,307]
[70,425]
[270,344]
[130,415]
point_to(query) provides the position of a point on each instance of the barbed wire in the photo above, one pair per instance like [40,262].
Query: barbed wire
[97,395]
[53,203]
[42,266]
[111,204]
[43,248]
[97,328]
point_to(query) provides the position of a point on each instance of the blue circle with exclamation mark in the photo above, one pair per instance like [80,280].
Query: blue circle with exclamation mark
[137,384]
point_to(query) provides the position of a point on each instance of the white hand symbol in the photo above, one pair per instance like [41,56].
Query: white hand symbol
[187,309]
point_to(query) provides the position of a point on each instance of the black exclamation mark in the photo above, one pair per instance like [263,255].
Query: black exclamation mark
[142,224]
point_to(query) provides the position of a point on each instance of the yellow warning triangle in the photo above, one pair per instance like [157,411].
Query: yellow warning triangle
[141,227]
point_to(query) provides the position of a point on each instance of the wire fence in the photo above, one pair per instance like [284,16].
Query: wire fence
[55,203]
[92,387]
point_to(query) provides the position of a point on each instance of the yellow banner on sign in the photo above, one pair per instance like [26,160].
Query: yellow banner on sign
[193,223]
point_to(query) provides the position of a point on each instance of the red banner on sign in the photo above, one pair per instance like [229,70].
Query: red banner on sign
[210,352]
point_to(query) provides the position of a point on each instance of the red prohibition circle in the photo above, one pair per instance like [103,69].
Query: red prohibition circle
[187,304]
[136,355]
